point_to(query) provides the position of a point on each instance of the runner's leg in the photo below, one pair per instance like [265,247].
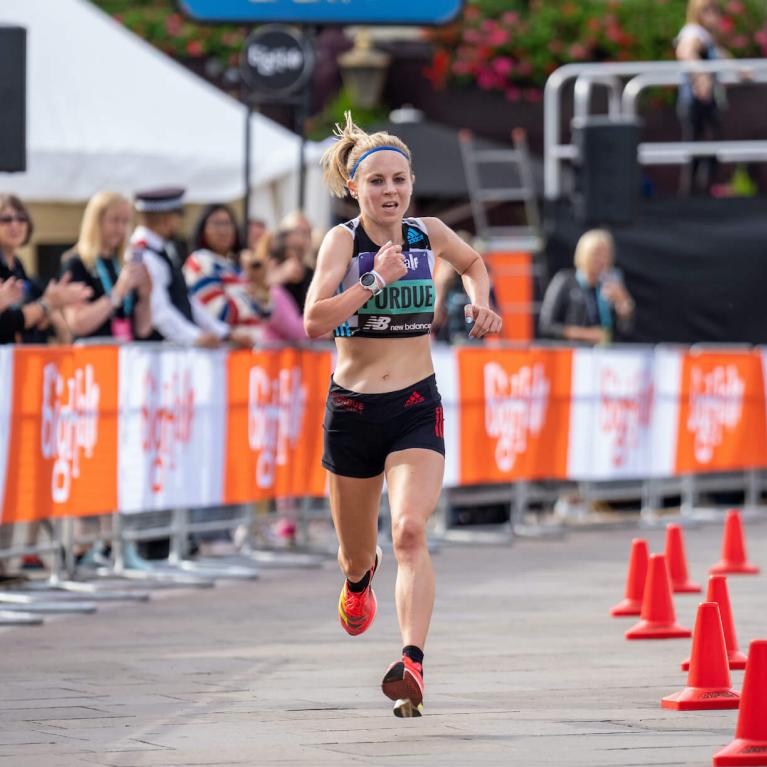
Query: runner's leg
[414,479]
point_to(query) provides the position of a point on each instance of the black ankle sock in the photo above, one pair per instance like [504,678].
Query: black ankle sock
[359,585]
[414,653]
[363,584]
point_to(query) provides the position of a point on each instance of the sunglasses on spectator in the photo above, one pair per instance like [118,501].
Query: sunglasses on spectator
[19,219]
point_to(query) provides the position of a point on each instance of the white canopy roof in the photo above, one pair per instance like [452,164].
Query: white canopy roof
[106,110]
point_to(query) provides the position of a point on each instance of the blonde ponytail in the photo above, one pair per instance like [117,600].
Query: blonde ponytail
[352,142]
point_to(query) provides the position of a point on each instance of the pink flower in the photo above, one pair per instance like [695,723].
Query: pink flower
[735,7]
[614,35]
[533,95]
[525,68]
[195,48]
[510,18]
[463,67]
[727,24]
[173,24]
[497,37]
[489,25]
[471,12]
[513,93]
[761,37]
[487,79]
[503,65]
[740,41]
[472,36]
[578,52]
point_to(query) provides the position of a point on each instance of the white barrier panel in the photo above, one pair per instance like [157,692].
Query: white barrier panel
[446,371]
[665,432]
[171,428]
[611,417]
[6,402]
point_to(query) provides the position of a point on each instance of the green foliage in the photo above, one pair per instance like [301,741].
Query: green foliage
[160,23]
[321,125]
[513,46]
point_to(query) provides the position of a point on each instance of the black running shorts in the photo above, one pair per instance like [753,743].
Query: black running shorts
[362,429]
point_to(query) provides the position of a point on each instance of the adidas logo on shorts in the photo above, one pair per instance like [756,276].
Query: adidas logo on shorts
[414,399]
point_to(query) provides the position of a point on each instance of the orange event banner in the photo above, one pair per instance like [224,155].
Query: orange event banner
[515,413]
[721,412]
[63,434]
[274,424]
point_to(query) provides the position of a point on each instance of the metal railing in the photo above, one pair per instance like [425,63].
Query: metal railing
[625,82]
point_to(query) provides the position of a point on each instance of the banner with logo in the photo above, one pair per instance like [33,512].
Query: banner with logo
[515,413]
[171,450]
[612,414]
[63,438]
[276,405]
[6,402]
[722,412]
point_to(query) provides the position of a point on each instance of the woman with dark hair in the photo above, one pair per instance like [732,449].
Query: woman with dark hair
[211,270]
[27,314]
[39,310]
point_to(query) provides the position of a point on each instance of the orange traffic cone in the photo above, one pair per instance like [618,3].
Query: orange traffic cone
[632,603]
[658,620]
[708,682]
[677,562]
[733,549]
[717,592]
[750,744]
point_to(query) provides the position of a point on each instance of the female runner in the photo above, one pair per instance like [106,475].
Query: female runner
[374,289]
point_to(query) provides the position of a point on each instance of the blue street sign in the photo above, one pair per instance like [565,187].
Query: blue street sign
[419,12]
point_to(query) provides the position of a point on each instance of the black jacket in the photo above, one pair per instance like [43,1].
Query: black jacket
[567,302]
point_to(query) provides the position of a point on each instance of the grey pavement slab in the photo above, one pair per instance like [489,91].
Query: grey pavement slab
[524,666]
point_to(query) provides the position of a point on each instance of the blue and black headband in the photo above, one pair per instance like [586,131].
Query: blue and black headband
[376,149]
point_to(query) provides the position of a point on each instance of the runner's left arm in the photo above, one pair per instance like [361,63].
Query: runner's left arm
[469,264]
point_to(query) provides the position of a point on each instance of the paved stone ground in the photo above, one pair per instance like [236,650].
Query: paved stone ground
[524,666]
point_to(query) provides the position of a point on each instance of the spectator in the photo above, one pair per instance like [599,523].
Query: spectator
[120,302]
[212,275]
[285,322]
[256,230]
[298,222]
[701,96]
[28,312]
[591,303]
[176,316]
[449,319]
[15,232]
[291,270]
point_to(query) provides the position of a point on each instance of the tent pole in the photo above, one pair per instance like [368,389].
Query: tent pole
[248,152]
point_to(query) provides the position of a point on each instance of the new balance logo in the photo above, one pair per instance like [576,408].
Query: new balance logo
[377,323]
[414,399]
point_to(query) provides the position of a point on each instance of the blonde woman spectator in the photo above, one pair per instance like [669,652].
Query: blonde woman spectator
[212,274]
[120,303]
[590,303]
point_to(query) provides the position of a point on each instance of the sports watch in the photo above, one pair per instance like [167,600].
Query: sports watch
[373,282]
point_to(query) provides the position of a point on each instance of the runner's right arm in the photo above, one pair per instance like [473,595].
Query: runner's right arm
[326,309]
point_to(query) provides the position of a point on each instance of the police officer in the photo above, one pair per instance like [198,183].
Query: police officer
[176,316]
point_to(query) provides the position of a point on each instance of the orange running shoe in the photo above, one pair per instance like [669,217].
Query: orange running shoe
[356,609]
[403,683]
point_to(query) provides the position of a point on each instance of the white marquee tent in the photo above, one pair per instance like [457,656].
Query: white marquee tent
[106,110]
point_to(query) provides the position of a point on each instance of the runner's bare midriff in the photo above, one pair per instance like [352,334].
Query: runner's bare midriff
[379,365]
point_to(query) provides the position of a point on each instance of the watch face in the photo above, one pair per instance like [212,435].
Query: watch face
[368,279]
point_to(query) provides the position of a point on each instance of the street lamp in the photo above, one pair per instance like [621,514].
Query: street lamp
[363,70]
